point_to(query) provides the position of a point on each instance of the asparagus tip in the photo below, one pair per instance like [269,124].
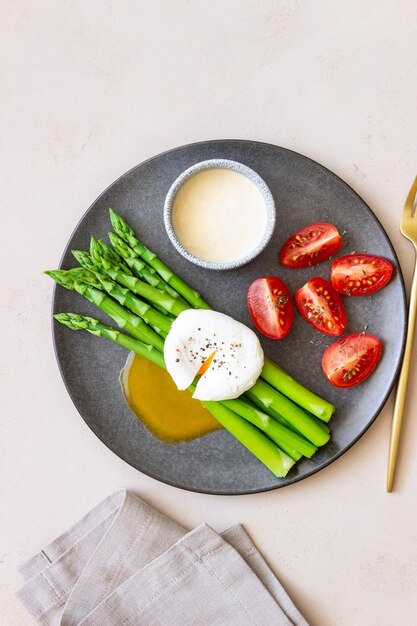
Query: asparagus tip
[75,321]
[83,258]
[113,216]
[63,318]
[59,276]
[93,244]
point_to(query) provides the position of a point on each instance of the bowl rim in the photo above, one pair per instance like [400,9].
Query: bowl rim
[237,167]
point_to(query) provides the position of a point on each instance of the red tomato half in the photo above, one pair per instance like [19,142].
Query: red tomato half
[270,306]
[351,359]
[321,306]
[310,245]
[360,274]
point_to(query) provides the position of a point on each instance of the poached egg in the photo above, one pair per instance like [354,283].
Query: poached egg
[225,354]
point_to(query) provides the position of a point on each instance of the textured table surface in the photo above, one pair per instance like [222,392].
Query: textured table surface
[89,90]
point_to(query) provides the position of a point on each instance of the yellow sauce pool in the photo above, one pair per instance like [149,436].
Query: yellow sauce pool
[170,415]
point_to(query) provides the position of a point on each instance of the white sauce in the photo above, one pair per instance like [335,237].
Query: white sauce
[219,215]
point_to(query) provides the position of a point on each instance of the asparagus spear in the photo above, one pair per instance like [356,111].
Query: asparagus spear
[263,448]
[84,259]
[102,255]
[139,266]
[128,235]
[99,251]
[93,326]
[123,318]
[292,389]
[138,287]
[267,397]
[290,442]
[158,298]
[161,323]
[249,436]
[279,418]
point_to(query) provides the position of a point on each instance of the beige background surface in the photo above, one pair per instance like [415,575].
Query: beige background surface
[89,89]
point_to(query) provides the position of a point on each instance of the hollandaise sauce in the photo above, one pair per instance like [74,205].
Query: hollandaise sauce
[170,415]
[219,215]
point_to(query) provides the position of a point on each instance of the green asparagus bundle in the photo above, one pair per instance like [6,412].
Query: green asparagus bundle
[141,294]
[89,283]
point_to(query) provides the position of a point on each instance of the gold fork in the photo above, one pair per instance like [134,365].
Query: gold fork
[408,227]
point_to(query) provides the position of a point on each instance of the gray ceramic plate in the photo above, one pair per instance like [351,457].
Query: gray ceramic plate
[304,192]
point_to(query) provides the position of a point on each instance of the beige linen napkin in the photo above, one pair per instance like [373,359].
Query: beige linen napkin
[126,564]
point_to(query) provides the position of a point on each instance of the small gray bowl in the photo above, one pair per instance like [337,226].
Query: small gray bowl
[237,167]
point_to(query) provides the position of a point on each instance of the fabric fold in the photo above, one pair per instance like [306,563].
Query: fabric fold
[126,563]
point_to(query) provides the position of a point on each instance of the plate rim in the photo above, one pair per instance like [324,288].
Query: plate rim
[296,479]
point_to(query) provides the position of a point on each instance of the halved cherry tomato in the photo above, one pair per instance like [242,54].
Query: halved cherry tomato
[351,359]
[270,306]
[310,245]
[321,306]
[360,274]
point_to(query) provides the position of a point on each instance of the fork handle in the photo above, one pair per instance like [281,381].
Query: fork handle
[397,417]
